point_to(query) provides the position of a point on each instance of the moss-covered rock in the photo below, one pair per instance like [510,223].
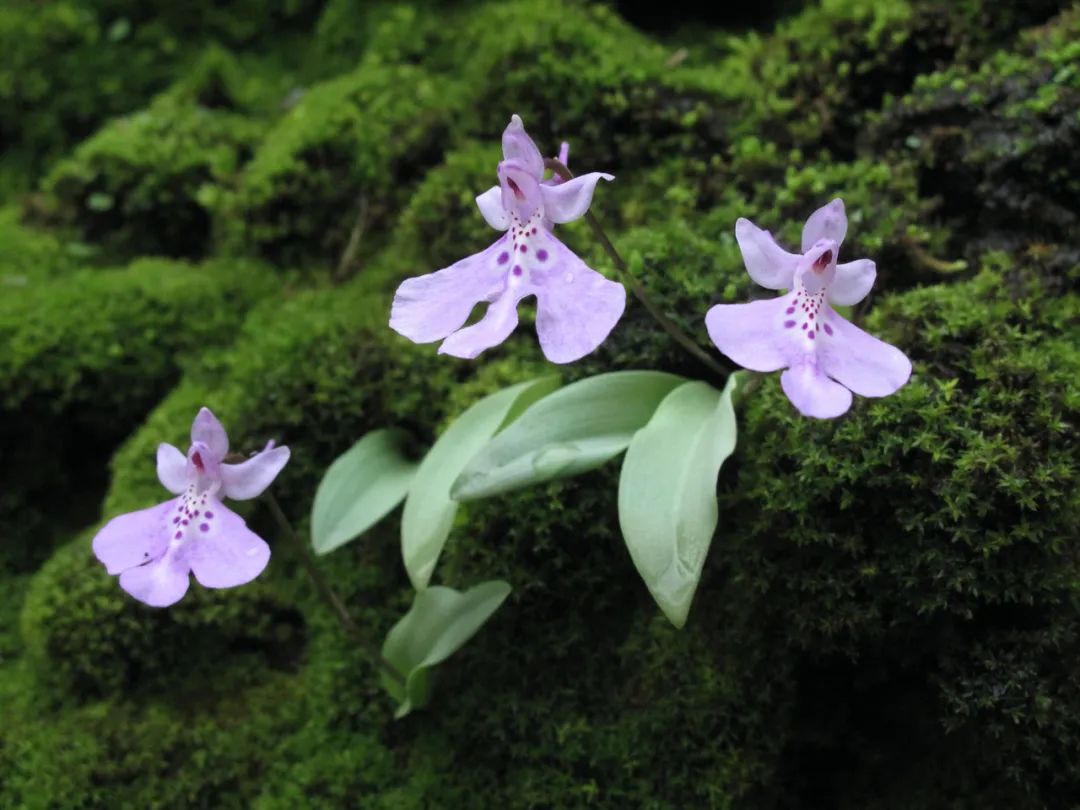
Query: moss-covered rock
[143,185]
[85,358]
[888,617]
[348,151]
[968,478]
[996,142]
[70,65]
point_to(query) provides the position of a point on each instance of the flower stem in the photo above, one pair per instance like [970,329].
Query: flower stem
[637,288]
[327,593]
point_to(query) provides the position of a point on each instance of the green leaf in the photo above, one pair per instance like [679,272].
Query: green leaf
[437,625]
[667,491]
[359,489]
[566,433]
[429,510]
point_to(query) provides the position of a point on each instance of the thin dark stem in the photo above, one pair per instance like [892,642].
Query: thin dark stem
[326,592]
[637,288]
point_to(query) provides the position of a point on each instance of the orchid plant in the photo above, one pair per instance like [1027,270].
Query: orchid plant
[675,432]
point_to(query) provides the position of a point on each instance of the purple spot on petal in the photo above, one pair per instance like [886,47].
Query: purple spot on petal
[790,310]
[804,326]
[204,527]
[179,535]
[789,324]
[542,255]
[828,329]
[176,520]
[209,514]
[185,523]
[812,335]
[504,257]
[524,249]
[517,269]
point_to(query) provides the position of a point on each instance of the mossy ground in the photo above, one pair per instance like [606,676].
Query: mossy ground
[212,205]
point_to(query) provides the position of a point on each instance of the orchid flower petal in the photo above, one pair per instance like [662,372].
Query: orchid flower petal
[429,308]
[133,539]
[767,263]
[491,206]
[224,552]
[248,479]
[500,320]
[517,145]
[207,429]
[160,583]
[828,222]
[753,335]
[852,282]
[576,306]
[172,469]
[813,393]
[570,200]
[868,366]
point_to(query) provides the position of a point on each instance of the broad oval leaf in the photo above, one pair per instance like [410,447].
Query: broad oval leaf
[437,625]
[667,491]
[577,428]
[429,510]
[359,489]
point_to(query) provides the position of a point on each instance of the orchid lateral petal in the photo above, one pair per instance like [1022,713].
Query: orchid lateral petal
[247,480]
[570,200]
[490,204]
[853,282]
[172,468]
[767,263]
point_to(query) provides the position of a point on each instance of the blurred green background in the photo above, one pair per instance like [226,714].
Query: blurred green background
[212,203]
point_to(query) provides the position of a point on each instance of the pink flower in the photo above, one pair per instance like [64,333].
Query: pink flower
[825,357]
[154,550]
[576,306]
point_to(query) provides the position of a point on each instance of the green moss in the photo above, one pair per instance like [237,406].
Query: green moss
[143,184]
[205,739]
[70,65]
[31,256]
[351,143]
[996,142]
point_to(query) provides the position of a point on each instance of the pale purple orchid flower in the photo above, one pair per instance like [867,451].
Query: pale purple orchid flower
[825,357]
[155,549]
[576,307]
